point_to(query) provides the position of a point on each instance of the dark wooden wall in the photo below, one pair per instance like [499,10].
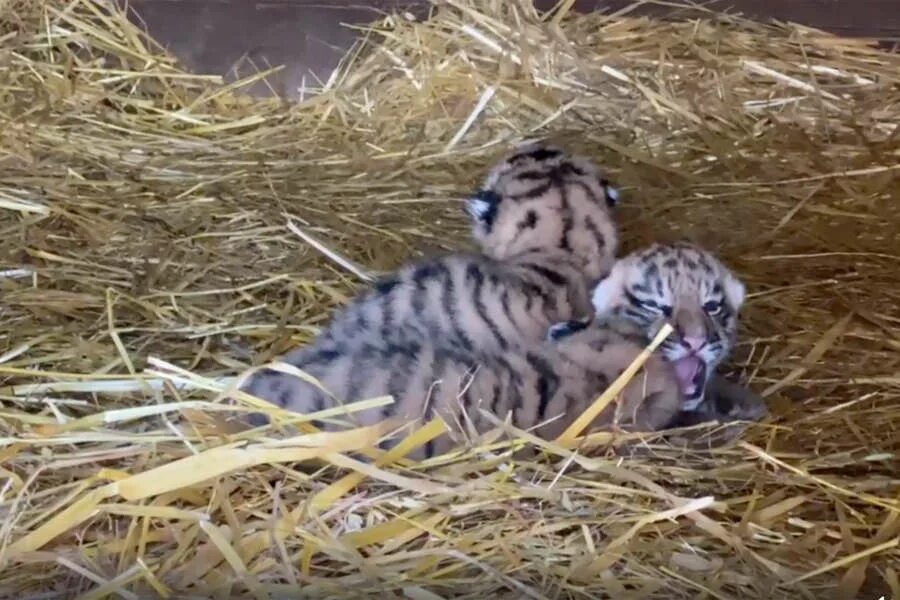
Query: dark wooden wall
[306,36]
[858,18]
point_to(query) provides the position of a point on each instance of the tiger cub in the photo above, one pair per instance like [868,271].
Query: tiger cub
[692,290]
[543,389]
[542,221]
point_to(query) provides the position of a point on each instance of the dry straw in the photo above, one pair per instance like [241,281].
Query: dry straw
[149,247]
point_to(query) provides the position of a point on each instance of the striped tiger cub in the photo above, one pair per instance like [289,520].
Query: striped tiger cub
[542,389]
[542,221]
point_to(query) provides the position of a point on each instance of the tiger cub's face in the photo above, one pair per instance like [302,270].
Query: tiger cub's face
[690,289]
[542,199]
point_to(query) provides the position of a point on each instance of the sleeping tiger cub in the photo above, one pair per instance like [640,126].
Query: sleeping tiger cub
[543,225]
[693,291]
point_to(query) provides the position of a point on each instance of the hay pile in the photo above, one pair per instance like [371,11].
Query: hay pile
[149,252]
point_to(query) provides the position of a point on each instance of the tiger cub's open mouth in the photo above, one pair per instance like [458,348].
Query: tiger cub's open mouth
[691,374]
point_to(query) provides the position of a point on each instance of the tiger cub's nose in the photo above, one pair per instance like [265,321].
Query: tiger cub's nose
[693,343]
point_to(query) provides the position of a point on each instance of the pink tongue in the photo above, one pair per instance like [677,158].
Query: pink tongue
[685,369]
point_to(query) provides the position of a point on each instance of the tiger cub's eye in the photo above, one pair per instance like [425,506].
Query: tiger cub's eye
[714,307]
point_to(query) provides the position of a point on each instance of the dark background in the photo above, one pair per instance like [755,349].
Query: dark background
[306,36]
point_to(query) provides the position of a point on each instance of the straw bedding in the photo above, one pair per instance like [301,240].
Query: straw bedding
[153,246]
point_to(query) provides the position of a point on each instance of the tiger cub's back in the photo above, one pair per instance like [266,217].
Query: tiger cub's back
[543,224]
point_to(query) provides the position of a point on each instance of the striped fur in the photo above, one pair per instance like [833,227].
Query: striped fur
[543,389]
[687,287]
[542,222]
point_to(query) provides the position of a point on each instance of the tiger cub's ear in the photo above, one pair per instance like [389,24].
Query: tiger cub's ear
[482,207]
[735,291]
[564,329]
[610,292]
